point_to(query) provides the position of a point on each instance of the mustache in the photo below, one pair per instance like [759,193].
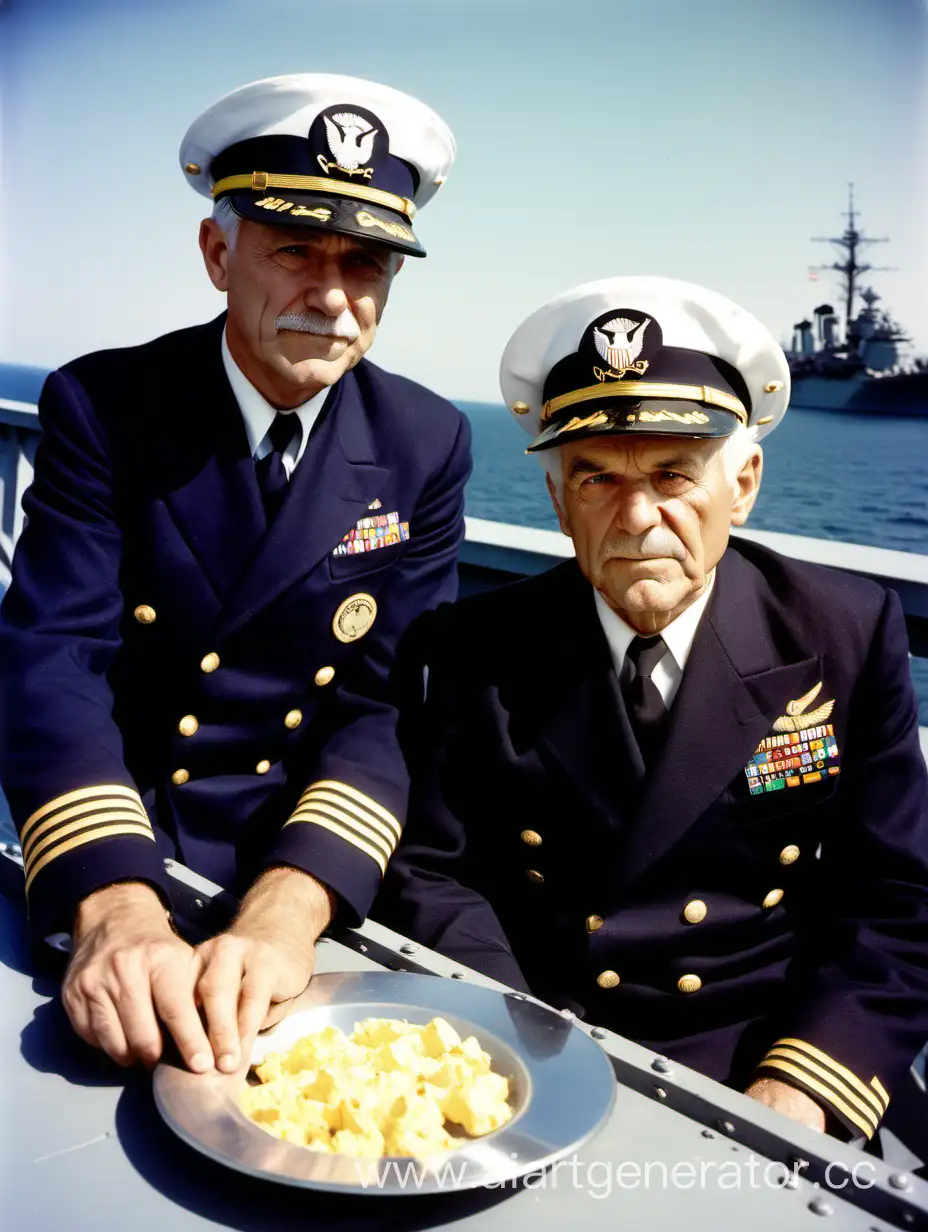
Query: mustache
[658,541]
[342,326]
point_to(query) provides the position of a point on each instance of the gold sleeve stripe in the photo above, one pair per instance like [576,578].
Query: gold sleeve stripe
[838,1069]
[103,791]
[342,818]
[56,822]
[346,805]
[357,797]
[820,1089]
[880,1090]
[137,830]
[819,1071]
[342,832]
[86,821]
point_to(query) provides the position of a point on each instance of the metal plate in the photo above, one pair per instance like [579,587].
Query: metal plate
[562,1088]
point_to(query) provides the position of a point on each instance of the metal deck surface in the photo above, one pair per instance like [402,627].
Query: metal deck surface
[86,1151]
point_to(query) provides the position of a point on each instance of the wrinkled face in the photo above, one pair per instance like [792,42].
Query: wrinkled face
[649,517]
[303,305]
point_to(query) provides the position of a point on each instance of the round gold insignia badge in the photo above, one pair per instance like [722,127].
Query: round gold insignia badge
[354,617]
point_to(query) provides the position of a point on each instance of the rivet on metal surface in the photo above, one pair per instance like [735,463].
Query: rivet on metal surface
[363,949]
[726,1127]
[899,1180]
[598,1033]
[818,1206]
[661,1065]
[457,975]
[660,1092]
[198,902]
[407,948]
[707,1133]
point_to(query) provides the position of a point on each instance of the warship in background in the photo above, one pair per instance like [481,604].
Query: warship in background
[859,366]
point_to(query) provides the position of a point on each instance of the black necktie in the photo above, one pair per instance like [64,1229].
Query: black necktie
[643,702]
[272,478]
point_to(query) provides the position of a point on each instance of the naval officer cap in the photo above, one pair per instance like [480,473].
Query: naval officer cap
[324,151]
[627,355]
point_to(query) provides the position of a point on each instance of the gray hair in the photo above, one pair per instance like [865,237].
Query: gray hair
[735,452]
[228,220]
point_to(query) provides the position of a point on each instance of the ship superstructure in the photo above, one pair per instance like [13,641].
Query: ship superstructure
[849,360]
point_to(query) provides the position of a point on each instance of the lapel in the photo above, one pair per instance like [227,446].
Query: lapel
[213,494]
[734,687]
[576,706]
[331,488]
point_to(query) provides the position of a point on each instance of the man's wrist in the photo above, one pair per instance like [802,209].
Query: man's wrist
[135,897]
[285,896]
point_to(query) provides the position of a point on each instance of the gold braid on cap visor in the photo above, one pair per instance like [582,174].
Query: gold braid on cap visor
[260,181]
[647,389]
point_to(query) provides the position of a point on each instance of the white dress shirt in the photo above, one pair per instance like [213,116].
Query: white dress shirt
[678,637]
[258,413]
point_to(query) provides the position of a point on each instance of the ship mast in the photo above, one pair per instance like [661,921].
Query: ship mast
[851,268]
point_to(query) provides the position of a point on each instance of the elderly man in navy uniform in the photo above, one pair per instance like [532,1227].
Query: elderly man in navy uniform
[228,530]
[675,784]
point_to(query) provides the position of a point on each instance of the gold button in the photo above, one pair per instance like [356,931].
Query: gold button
[145,614]
[593,923]
[790,854]
[695,911]
[324,675]
[188,726]
[209,662]
[180,777]
[689,983]
[521,408]
[192,168]
[608,979]
[774,897]
[262,767]
[293,719]
[531,838]
[533,875]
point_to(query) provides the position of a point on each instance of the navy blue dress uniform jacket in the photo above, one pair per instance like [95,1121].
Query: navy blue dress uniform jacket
[172,685]
[744,931]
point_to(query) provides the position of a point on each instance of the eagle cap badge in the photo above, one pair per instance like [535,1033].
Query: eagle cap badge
[350,137]
[618,338]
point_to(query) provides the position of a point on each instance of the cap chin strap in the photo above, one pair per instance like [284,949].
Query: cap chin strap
[260,181]
[647,389]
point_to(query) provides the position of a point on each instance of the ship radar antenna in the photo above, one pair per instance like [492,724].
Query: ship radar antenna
[851,267]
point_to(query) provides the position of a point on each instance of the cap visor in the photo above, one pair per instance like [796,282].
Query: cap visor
[654,417]
[341,214]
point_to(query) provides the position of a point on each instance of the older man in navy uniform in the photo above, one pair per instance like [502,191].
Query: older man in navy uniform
[675,785]
[228,530]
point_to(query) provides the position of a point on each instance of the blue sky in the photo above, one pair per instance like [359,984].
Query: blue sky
[703,140]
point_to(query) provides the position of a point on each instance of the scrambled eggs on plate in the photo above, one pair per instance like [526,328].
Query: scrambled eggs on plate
[389,1088]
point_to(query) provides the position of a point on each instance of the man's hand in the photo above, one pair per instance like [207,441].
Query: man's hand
[128,972]
[248,975]
[789,1100]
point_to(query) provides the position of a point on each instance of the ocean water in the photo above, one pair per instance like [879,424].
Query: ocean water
[860,479]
